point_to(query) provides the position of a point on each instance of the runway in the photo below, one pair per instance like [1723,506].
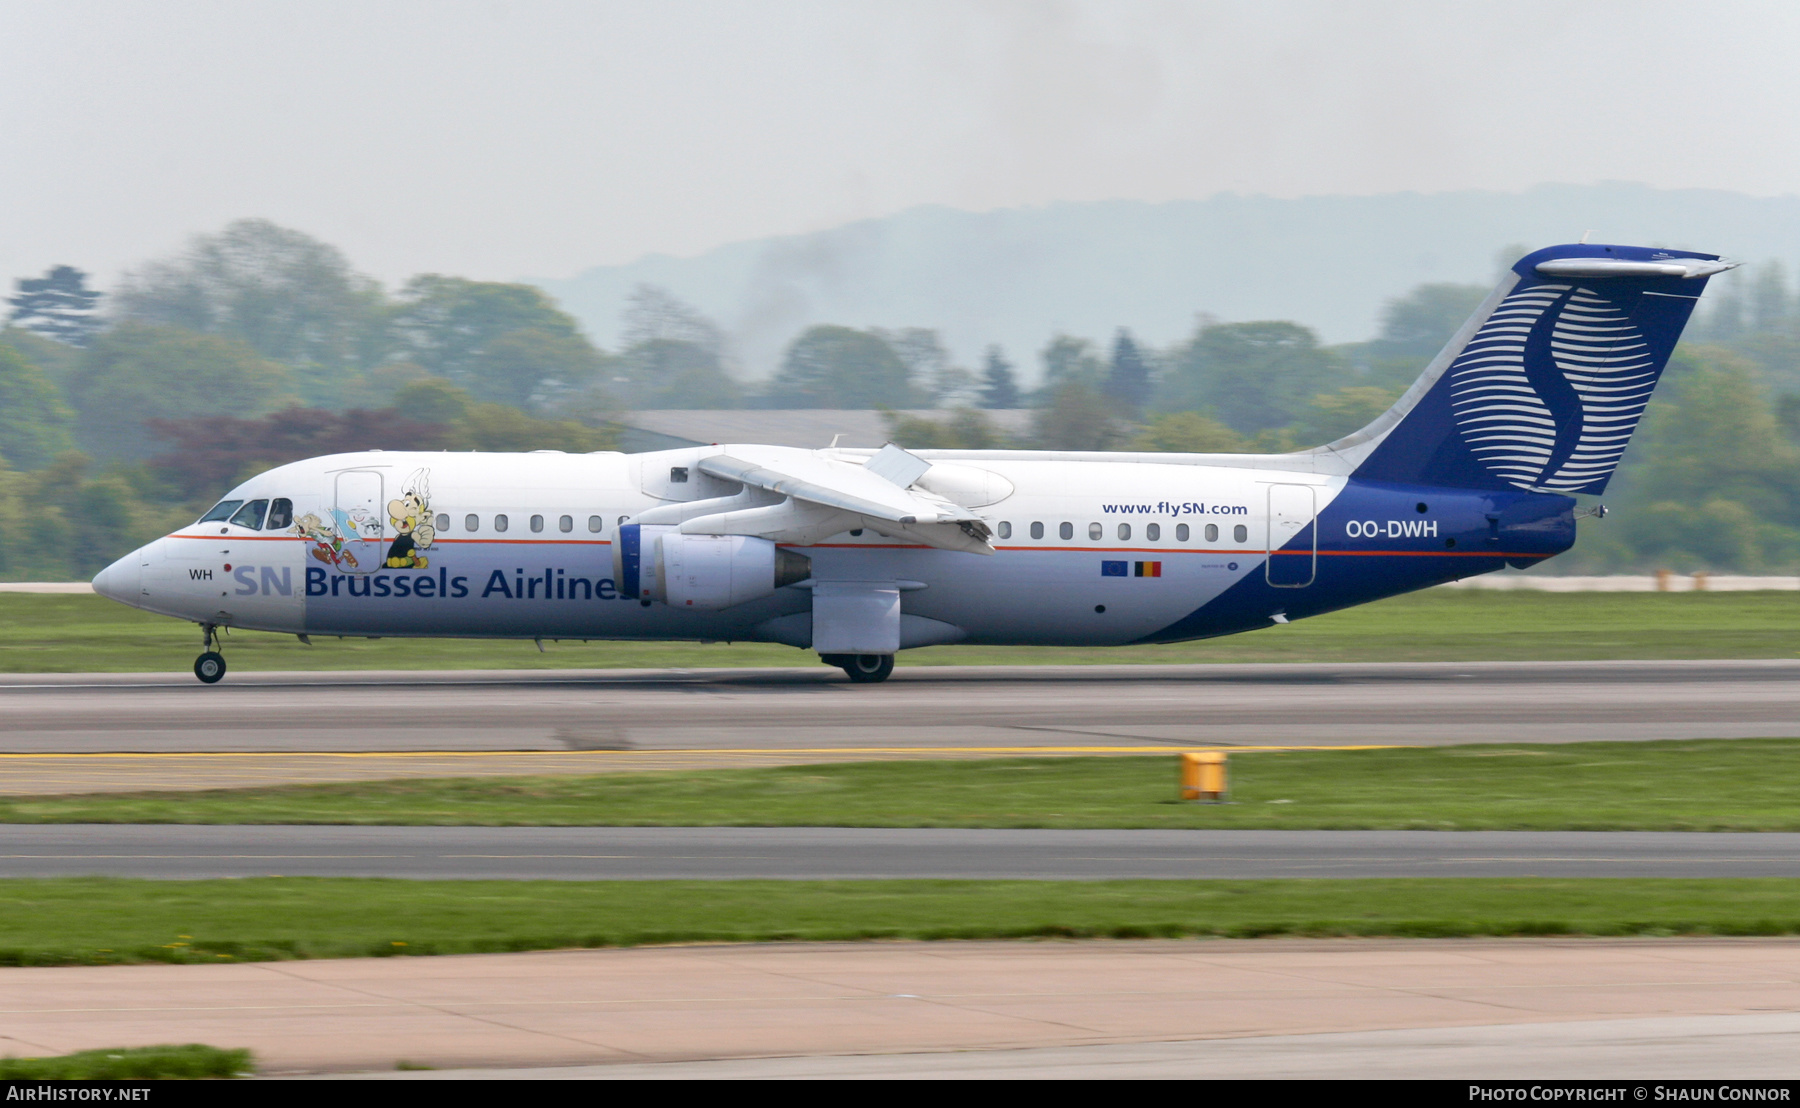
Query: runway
[819,853]
[1642,1008]
[622,719]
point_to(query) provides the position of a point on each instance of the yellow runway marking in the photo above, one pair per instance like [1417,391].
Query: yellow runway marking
[44,774]
[763,752]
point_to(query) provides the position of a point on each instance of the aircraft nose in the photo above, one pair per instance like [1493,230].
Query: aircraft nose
[123,580]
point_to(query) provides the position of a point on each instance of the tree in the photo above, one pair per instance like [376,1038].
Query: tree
[999,388]
[1414,328]
[209,454]
[928,364]
[506,343]
[966,429]
[674,356]
[1070,360]
[34,421]
[1330,416]
[1252,376]
[1189,433]
[1128,379]
[139,371]
[1077,418]
[290,297]
[840,367]
[58,306]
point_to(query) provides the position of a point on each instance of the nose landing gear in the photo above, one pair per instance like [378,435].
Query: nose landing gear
[210,666]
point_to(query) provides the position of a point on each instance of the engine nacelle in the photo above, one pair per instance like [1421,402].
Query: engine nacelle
[706,572]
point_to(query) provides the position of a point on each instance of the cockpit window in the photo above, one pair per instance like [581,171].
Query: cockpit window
[250,515]
[281,514]
[222,510]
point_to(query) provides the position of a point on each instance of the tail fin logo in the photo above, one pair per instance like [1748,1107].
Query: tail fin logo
[1549,390]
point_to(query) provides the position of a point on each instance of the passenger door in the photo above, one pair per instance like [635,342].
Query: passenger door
[1293,539]
[361,518]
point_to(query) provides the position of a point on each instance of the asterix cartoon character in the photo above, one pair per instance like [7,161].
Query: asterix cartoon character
[411,516]
[328,545]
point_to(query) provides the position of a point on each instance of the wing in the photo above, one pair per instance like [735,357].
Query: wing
[822,496]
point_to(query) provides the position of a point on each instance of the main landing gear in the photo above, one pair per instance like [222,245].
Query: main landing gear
[863,669]
[210,666]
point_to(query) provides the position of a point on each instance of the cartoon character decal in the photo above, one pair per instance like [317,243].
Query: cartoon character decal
[411,516]
[328,544]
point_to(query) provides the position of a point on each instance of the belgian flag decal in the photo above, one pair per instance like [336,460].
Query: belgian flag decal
[1146,569]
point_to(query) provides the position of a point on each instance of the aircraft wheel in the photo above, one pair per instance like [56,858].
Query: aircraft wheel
[867,669]
[209,667]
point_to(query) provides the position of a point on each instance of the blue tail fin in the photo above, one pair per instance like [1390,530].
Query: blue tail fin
[1543,386]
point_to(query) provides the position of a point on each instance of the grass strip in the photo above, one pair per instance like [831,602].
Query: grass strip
[1671,785]
[71,921]
[77,634]
[130,1064]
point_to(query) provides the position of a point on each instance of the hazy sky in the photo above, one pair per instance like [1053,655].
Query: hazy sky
[507,138]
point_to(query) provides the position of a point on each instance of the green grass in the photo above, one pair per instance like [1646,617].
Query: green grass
[130,1064]
[45,634]
[93,921]
[1677,785]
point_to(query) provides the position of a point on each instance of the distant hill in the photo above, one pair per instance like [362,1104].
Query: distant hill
[1018,276]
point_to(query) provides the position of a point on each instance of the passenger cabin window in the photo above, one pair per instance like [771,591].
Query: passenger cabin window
[537,524]
[596,525]
[566,524]
[471,522]
[1066,530]
[1212,532]
[251,515]
[1095,531]
[443,521]
[222,510]
[1153,531]
[1124,532]
[281,514]
[1037,530]
[499,523]
[1005,530]
[1240,533]
[1181,532]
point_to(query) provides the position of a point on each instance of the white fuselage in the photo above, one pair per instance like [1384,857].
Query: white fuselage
[520,545]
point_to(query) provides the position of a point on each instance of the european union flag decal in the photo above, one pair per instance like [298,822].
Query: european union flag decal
[1114,569]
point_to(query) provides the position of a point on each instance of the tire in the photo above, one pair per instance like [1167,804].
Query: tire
[867,669]
[209,667]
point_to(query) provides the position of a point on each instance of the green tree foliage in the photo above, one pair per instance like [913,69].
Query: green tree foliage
[1128,378]
[674,356]
[1332,415]
[504,343]
[140,371]
[34,421]
[291,298]
[57,306]
[1414,328]
[1251,376]
[1189,433]
[840,367]
[1077,417]
[1070,360]
[65,521]
[965,429]
[999,388]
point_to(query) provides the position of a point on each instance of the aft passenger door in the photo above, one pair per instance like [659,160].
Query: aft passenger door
[1293,539]
[360,519]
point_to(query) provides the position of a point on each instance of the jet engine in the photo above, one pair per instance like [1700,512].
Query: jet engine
[706,572]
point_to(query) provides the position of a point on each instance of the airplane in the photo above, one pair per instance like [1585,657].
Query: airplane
[858,554]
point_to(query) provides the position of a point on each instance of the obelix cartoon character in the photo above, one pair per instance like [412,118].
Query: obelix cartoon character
[411,517]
